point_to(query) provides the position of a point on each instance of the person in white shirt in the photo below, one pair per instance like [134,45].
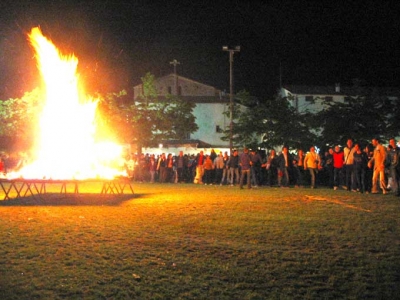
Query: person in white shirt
[349,164]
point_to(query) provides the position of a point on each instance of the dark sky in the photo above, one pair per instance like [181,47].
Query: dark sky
[117,42]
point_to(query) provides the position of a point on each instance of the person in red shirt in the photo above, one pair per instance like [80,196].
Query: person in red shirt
[338,162]
[199,168]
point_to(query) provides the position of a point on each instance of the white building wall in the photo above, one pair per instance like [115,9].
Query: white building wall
[208,117]
[302,105]
[208,114]
[317,105]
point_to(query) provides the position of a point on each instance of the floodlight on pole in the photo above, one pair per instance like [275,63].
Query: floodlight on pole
[231,52]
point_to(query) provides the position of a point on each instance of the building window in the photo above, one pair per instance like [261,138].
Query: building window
[347,99]
[218,129]
[179,90]
[309,98]
[169,90]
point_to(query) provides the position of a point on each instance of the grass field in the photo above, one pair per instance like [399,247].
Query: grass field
[184,241]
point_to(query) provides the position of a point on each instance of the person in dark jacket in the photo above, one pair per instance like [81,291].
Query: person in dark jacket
[245,168]
[394,166]
[285,161]
[233,164]
[256,163]
[272,168]
[360,165]
[181,165]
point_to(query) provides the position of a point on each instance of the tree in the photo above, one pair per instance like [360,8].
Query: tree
[19,117]
[361,117]
[175,119]
[150,120]
[160,118]
[269,124]
[112,116]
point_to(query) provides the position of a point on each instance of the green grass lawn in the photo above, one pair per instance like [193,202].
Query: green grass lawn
[184,241]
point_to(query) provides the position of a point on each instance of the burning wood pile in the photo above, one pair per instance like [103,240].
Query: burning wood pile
[67,146]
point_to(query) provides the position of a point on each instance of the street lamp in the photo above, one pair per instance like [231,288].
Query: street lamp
[231,52]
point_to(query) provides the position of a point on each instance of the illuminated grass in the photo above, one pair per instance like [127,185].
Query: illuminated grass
[201,242]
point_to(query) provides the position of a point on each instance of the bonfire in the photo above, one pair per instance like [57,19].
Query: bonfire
[66,146]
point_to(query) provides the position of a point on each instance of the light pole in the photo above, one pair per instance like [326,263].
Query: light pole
[175,63]
[231,52]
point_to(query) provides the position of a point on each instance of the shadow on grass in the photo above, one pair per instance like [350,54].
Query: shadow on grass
[56,199]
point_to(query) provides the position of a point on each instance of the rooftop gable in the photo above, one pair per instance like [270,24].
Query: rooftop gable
[181,78]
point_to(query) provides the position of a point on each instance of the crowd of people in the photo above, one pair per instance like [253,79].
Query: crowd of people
[371,168]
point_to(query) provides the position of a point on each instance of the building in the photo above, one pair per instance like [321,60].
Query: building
[315,98]
[211,104]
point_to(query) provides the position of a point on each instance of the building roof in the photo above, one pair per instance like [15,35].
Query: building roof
[340,90]
[200,99]
[180,78]
[186,143]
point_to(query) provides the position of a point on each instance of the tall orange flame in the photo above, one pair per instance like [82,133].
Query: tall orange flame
[66,147]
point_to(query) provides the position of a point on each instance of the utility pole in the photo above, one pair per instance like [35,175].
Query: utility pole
[175,63]
[231,52]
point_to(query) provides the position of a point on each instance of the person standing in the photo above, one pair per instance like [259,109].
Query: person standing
[191,168]
[170,168]
[199,168]
[378,161]
[256,163]
[369,152]
[233,165]
[360,165]
[208,166]
[348,164]
[285,161]
[225,159]
[213,156]
[312,162]
[338,162]
[152,168]
[329,167]
[272,168]
[298,168]
[245,166]
[394,165]
[219,167]
[162,168]
[181,164]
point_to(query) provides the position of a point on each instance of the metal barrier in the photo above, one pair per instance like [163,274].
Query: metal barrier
[36,187]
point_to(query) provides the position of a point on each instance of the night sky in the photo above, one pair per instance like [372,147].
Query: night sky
[117,42]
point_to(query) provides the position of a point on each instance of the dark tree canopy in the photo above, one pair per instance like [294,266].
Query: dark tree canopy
[269,124]
[360,118]
[150,119]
